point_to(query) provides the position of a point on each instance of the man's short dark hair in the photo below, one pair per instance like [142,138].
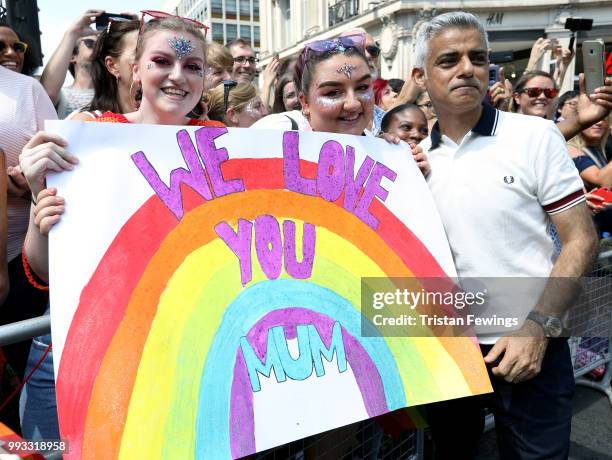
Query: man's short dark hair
[238,42]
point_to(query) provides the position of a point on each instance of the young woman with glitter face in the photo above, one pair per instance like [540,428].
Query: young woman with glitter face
[168,70]
[335,89]
[335,85]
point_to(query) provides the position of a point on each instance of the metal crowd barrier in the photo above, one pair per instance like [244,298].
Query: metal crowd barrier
[591,354]
[363,441]
[24,330]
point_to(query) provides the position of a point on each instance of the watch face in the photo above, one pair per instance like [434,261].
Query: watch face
[554,327]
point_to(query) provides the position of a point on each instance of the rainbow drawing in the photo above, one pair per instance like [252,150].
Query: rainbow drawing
[171,354]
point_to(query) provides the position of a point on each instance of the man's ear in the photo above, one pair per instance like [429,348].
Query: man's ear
[418,76]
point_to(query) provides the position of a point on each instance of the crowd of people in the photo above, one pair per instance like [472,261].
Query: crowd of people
[460,129]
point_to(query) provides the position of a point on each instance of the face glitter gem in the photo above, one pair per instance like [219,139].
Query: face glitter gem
[347,69]
[181,46]
[150,65]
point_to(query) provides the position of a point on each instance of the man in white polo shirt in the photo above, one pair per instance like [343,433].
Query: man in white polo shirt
[499,179]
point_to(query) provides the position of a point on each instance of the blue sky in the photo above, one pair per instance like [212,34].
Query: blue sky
[55,17]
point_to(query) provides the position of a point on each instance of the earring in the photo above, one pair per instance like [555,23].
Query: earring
[137,96]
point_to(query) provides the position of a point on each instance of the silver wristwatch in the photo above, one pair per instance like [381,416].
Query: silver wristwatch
[553,326]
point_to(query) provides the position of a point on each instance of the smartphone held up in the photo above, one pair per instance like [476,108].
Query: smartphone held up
[493,74]
[593,57]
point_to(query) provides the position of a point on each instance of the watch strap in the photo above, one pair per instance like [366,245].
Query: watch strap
[547,323]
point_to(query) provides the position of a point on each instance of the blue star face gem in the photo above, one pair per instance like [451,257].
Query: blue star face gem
[181,46]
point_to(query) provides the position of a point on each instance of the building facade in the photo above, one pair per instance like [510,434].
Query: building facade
[227,19]
[513,26]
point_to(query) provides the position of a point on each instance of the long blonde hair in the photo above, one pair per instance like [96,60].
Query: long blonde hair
[239,96]
[579,142]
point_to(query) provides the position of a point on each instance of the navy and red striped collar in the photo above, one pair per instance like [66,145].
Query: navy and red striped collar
[486,126]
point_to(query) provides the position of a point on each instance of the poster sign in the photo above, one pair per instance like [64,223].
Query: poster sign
[205,289]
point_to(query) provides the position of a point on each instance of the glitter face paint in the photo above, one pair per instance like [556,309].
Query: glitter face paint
[253,108]
[250,109]
[367,96]
[150,65]
[347,69]
[329,102]
[181,46]
[250,113]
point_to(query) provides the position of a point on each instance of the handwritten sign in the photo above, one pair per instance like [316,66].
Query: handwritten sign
[205,289]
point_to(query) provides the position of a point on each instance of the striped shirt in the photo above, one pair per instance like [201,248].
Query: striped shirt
[24,105]
[72,99]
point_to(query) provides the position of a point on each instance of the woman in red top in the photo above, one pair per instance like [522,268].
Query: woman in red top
[168,71]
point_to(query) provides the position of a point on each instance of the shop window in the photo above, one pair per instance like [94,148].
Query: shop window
[230,9]
[245,33]
[216,8]
[255,10]
[232,32]
[256,39]
[217,33]
[245,10]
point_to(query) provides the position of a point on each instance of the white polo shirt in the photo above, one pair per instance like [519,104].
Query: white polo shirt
[495,192]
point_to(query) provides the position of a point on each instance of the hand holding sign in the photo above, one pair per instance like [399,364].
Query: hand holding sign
[43,153]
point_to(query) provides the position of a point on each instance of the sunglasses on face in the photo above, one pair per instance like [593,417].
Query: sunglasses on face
[245,59]
[88,42]
[550,93]
[156,15]
[18,47]
[373,50]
